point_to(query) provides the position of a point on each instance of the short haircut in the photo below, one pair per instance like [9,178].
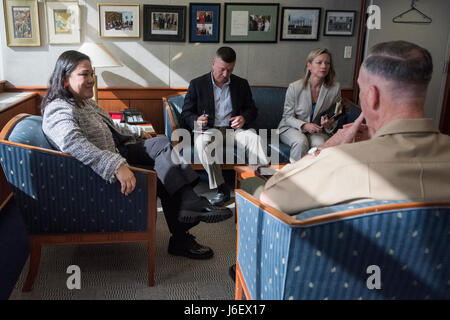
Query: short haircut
[400,61]
[227,54]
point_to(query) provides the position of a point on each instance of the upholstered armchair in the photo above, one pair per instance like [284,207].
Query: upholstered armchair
[371,250]
[64,202]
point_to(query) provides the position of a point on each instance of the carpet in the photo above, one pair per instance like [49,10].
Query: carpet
[119,271]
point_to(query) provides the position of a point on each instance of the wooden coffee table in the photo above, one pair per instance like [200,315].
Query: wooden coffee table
[244,172]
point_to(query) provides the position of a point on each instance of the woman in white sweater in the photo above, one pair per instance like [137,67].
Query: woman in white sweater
[303,124]
[77,125]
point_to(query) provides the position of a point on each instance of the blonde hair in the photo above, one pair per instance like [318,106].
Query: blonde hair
[329,79]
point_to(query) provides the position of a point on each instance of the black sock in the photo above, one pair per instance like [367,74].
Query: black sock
[223,188]
[186,193]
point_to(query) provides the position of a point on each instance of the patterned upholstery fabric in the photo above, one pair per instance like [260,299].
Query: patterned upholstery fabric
[28,131]
[270,104]
[58,194]
[330,260]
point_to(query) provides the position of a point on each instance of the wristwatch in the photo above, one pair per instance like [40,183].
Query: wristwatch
[314,151]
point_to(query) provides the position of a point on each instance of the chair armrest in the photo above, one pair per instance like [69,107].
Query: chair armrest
[169,120]
[337,212]
[57,193]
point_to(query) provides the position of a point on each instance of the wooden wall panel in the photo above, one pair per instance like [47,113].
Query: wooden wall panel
[347,94]
[153,112]
[25,106]
[114,105]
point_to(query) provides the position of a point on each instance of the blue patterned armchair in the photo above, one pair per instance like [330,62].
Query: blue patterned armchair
[63,201]
[371,250]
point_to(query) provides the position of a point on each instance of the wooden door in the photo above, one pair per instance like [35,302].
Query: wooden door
[445,113]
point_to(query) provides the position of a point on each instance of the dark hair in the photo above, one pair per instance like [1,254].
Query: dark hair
[400,61]
[65,64]
[227,54]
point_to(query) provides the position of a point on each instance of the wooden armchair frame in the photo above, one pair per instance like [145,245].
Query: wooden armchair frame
[37,241]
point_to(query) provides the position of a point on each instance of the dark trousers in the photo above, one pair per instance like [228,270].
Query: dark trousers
[156,154]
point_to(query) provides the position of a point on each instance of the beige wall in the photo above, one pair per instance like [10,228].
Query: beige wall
[175,64]
[435,37]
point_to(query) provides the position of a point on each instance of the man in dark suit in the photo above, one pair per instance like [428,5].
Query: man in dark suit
[223,101]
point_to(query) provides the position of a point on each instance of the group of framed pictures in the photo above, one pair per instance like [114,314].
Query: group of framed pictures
[23,28]
[244,22]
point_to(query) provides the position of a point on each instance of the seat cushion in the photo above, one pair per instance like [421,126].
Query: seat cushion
[29,131]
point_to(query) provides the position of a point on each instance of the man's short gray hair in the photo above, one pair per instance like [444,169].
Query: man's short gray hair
[400,61]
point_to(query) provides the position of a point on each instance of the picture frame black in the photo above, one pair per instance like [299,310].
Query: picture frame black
[251,22]
[300,24]
[339,23]
[204,22]
[164,23]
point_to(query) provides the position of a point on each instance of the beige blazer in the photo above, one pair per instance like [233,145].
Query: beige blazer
[298,104]
[405,160]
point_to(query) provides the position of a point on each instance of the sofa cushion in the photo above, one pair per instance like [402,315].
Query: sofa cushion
[269,102]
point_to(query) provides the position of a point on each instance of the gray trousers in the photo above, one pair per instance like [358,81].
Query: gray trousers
[156,154]
[301,142]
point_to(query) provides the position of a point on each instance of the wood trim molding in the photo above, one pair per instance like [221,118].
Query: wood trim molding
[444,125]
[359,49]
[336,215]
[2,85]
[11,124]
[241,285]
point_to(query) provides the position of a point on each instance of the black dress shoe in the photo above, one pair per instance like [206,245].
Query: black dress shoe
[220,198]
[186,246]
[202,210]
[232,272]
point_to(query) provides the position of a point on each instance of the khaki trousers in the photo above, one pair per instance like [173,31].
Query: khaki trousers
[207,147]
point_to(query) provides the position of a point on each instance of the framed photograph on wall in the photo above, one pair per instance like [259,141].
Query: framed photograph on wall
[300,23]
[117,20]
[339,23]
[63,22]
[204,22]
[164,23]
[22,23]
[251,22]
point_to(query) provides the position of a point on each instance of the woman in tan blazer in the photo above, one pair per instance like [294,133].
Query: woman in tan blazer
[302,125]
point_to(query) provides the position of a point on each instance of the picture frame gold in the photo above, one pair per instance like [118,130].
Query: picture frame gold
[63,22]
[22,23]
[119,20]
